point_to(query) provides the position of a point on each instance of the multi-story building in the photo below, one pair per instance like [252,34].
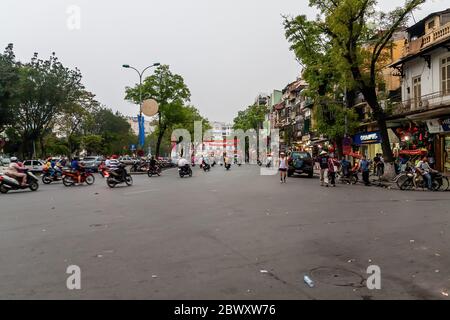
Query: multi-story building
[292,116]
[422,119]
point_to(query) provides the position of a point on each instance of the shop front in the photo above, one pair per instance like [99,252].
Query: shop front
[440,128]
[367,143]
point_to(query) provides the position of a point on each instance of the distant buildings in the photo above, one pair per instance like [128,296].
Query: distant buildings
[133,121]
[217,141]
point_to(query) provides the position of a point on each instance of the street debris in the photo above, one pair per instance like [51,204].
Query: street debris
[154,276]
[264,271]
[308,281]
[351,260]
[412,241]
[444,293]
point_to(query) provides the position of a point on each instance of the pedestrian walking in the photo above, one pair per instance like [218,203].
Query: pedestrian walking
[333,167]
[323,163]
[365,169]
[283,168]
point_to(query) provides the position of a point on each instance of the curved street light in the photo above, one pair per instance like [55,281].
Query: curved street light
[141,74]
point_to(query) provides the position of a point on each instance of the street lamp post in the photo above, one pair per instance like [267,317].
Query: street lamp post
[141,74]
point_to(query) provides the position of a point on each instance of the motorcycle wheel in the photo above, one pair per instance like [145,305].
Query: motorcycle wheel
[110,182]
[46,179]
[181,175]
[90,179]
[34,186]
[406,185]
[435,185]
[3,189]
[150,174]
[129,180]
[68,181]
[445,184]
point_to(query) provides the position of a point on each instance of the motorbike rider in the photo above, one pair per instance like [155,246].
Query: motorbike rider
[51,164]
[153,163]
[77,168]
[15,171]
[425,170]
[114,164]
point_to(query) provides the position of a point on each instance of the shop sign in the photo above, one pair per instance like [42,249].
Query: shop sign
[446,124]
[367,138]
[438,125]
[434,126]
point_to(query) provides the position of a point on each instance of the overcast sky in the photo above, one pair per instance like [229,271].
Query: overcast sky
[228,51]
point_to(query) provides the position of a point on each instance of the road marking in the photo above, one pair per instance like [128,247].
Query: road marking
[139,192]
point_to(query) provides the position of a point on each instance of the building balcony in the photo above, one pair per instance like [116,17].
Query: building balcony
[427,40]
[427,102]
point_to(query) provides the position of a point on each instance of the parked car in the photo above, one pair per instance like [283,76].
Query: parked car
[92,163]
[35,166]
[127,160]
[300,162]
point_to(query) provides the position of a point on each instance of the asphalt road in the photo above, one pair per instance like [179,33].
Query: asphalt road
[210,236]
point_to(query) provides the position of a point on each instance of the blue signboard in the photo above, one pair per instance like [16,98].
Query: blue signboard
[446,124]
[367,138]
[133,147]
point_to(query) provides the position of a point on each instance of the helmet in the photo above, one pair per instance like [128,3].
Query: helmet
[14,159]
[114,157]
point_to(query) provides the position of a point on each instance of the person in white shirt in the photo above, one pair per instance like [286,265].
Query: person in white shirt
[283,167]
[182,162]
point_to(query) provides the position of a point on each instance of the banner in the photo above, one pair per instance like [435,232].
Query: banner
[141,130]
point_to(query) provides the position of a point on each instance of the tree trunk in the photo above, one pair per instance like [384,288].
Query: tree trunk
[158,142]
[339,148]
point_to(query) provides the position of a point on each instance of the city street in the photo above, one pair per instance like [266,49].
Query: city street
[224,235]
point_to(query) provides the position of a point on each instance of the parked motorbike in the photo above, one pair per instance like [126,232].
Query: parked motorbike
[155,171]
[117,176]
[185,171]
[139,167]
[70,178]
[8,183]
[48,178]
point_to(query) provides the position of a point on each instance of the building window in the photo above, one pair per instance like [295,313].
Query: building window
[431,25]
[445,75]
[417,91]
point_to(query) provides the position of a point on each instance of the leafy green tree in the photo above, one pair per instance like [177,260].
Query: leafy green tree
[251,118]
[327,83]
[171,93]
[93,144]
[8,85]
[45,88]
[76,115]
[358,36]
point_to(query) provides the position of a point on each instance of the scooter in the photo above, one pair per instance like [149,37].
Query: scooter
[156,171]
[8,183]
[117,176]
[48,178]
[70,178]
[205,166]
[185,171]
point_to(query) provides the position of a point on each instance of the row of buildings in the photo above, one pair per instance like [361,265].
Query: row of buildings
[415,95]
